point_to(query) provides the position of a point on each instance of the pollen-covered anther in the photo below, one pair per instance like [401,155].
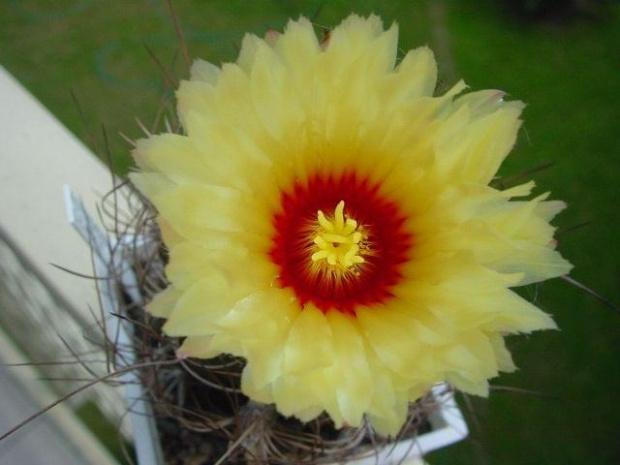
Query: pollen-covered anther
[338,240]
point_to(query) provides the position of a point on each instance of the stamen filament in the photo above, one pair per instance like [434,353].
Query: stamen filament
[338,240]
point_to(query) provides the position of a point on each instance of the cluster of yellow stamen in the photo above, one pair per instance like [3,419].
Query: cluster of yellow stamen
[337,240]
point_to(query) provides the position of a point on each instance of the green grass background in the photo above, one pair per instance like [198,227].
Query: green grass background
[567,73]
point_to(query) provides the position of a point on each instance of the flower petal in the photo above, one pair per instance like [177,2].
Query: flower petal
[415,76]
[310,342]
[202,70]
[355,387]
[163,303]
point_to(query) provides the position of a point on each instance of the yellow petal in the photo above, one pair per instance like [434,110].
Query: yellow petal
[478,387]
[234,102]
[481,103]
[209,346]
[355,378]
[201,305]
[272,310]
[151,184]
[548,210]
[504,359]
[202,70]
[163,303]
[168,234]
[471,148]
[212,208]
[227,152]
[299,48]
[261,322]
[196,97]
[352,38]
[273,95]
[388,410]
[310,391]
[175,156]
[191,261]
[247,54]
[393,345]
[310,342]
[415,76]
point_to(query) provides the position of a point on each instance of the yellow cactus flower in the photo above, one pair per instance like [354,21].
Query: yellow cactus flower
[331,221]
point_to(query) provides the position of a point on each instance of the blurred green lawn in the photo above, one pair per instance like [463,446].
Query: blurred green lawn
[567,72]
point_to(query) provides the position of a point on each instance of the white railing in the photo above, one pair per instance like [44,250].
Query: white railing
[50,310]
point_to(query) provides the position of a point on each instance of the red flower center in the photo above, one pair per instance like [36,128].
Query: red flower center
[339,243]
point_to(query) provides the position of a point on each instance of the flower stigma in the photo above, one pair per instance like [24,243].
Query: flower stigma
[338,240]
